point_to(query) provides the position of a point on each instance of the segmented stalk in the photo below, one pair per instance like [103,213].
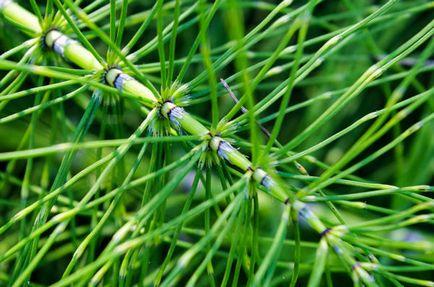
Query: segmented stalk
[74,52]
[71,50]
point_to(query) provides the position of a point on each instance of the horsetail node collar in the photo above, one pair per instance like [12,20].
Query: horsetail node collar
[57,41]
[222,147]
[325,232]
[172,112]
[259,175]
[116,78]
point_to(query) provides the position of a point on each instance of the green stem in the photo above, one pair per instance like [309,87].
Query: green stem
[20,17]
[71,50]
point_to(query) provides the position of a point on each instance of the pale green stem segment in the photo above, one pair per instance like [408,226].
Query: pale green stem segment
[181,118]
[309,216]
[225,150]
[20,17]
[192,126]
[123,82]
[77,54]
[71,50]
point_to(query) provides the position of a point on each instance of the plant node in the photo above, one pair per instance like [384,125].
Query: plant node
[166,111]
[325,232]
[54,39]
[260,176]
[222,147]
[226,151]
[114,77]
[171,112]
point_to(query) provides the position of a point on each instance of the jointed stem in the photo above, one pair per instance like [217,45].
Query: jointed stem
[74,52]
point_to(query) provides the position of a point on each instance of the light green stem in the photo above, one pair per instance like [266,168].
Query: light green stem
[20,17]
[71,50]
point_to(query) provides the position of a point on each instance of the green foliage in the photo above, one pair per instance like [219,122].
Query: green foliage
[216,143]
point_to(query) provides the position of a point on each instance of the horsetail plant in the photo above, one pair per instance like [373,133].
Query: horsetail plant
[105,214]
